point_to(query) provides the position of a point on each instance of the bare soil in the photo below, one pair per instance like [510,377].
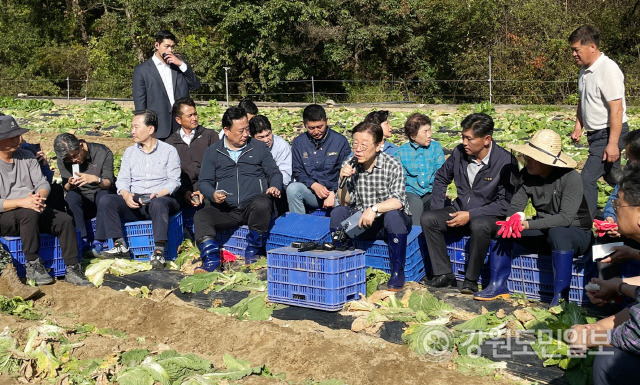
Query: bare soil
[302,349]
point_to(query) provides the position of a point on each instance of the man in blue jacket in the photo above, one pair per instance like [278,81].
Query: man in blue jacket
[484,175]
[317,158]
[238,177]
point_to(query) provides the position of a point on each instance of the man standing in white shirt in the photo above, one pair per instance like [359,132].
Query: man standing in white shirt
[161,80]
[601,111]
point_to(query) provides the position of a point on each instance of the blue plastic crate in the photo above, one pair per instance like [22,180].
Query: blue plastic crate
[377,254]
[312,297]
[187,220]
[91,231]
[458,252]
[320,212]
[49,252]
[140,238]
[293,227]
[323,280]
[317,261]
[532,275]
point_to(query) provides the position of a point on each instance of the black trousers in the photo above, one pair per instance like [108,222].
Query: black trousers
[28,224]
[211,218]
[594,167]
[391,222]
[112,211]
[557,239]
[83,207]
[434,226]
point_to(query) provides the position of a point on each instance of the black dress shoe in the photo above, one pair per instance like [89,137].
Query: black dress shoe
[442,281]
[469,287]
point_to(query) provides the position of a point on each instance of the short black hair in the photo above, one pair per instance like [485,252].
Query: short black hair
[231,114]
[630,183]
[378,117]
[373,128]
[249,106]
[482,124]
[176,110]
[632,144]
[259,123]
[65,144]
[313,113]
[586,34]
[164,34]
[413,124]
[150,118]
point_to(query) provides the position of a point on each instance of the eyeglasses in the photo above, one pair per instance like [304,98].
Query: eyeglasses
[360,147]
[73,156]
[615,206]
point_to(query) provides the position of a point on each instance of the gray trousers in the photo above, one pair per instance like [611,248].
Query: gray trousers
[615,366]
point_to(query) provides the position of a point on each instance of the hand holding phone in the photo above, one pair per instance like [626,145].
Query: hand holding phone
[143,199]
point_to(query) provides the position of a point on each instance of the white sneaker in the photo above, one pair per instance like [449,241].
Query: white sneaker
[117,251]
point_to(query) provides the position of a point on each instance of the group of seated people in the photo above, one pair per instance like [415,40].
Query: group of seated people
[246,175]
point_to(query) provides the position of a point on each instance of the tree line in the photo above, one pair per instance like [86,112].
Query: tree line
[417,44]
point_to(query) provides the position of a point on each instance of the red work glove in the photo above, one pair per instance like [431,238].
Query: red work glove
[517,229]
[512,227]
[503,227]
[603,226]
[228,256]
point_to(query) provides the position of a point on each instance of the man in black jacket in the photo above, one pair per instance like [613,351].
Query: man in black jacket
[484,175]
[238,177]
[160,81]
[191,141]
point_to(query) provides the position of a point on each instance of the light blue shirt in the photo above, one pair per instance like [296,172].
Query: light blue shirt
[389,148]
[420,165]
[234,154]
[148,173]
[281,152]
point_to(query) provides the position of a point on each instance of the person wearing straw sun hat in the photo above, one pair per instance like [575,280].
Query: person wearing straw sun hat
[562,223]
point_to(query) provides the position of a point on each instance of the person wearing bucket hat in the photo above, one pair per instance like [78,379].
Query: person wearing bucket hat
[23,211]
[562,223]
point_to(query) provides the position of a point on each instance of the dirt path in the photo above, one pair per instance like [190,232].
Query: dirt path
[301,349]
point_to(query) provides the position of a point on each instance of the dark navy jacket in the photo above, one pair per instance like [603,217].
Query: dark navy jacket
[254,173]
[322,164]
[492,189]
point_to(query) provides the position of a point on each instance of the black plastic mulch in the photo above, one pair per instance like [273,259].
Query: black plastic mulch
[525,365]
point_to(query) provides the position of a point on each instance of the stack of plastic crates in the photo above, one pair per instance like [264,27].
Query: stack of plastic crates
[458,252]
[377,254]
[50,253]
[532,275]
[293,227]
[234,239]
[323,280]
[140,238]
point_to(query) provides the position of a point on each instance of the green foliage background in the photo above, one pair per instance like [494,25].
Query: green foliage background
[414,43]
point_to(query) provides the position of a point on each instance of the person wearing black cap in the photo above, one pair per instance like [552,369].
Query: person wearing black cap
[23,212]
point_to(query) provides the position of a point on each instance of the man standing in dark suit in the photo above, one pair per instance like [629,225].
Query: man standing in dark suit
[160,81]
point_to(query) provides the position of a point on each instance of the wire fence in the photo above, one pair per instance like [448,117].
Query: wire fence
[504,91]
